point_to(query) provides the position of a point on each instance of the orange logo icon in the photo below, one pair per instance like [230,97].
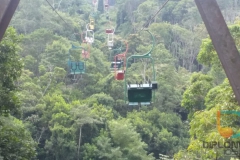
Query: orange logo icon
[226,132]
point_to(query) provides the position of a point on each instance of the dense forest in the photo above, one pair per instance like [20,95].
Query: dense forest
[48,114]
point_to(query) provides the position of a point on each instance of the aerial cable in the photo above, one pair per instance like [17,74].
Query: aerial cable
[144,26]
[56,12]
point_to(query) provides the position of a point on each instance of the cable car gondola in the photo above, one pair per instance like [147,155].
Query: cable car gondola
[75,67]
[120,71]
[142,93]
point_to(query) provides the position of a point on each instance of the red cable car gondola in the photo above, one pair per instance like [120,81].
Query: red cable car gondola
[108,31]
[119,74]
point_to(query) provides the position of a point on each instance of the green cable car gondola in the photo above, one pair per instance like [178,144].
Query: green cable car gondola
[141,94]
[75,67]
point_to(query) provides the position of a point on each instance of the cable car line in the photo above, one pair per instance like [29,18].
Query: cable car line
[56,12]
[144,26]
[132,92]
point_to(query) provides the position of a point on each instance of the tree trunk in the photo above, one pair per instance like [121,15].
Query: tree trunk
[79,140]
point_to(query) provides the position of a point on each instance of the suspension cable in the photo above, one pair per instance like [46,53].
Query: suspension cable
[56,12]
[144,26]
